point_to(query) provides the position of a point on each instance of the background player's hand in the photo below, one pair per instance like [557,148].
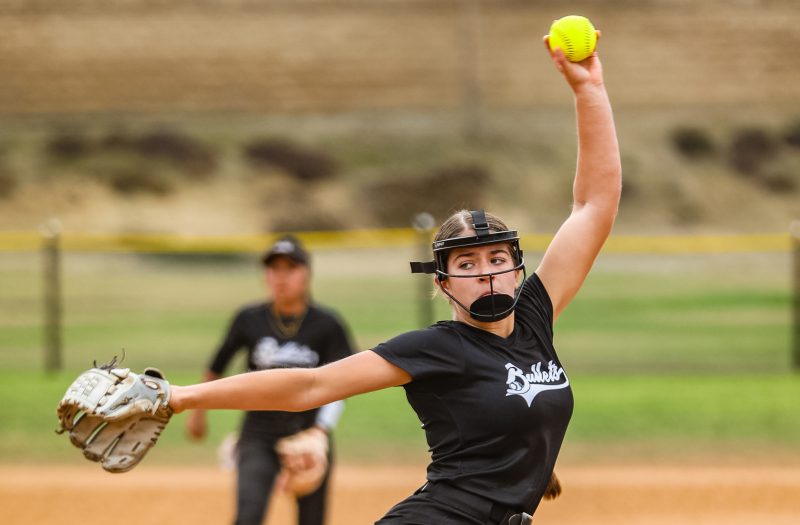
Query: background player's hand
[303,450]
[196,427]
[587,72]
[304,458]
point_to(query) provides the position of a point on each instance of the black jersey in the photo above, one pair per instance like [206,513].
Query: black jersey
[321,338]
[494,409]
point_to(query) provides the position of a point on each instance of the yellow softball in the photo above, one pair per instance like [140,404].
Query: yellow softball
[575,35]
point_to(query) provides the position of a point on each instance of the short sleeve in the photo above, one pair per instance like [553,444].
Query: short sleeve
[535,301]
[431,352]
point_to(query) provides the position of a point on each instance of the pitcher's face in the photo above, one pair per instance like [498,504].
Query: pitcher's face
[477,261]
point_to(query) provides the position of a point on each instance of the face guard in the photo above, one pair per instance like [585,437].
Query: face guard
[492,307]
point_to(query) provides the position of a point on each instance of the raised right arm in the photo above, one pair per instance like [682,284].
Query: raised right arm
[292,389]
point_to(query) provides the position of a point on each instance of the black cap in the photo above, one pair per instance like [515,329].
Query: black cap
[288,246]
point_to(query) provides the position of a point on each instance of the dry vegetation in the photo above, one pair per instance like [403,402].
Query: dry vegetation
[151,115]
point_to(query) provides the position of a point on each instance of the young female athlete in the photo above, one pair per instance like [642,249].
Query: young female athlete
[488,386]
[292,449]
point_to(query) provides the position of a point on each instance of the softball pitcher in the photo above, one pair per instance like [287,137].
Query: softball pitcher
[488,385]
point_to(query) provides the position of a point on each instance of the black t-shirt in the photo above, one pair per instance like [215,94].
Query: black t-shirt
[320,339]
[494,410]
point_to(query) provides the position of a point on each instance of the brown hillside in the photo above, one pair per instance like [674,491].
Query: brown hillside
[135,55]
[386,90]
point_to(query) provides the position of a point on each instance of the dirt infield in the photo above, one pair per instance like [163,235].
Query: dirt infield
[593,495]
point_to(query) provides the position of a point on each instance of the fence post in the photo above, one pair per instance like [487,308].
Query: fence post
[51,257]
[795,233]
[424,223]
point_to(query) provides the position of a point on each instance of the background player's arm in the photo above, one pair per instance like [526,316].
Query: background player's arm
[338,346]
[328,415]
[596,190]
[292,389]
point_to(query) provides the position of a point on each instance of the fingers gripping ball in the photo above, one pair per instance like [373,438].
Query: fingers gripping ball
[575,36]
[114,415]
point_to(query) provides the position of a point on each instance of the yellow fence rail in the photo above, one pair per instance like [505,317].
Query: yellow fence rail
[378,238]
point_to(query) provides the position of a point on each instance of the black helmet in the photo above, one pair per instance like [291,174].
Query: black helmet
[492,307]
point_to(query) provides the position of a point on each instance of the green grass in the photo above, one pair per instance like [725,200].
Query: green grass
[668,356]
[698,408]
[653,415]
[683,314]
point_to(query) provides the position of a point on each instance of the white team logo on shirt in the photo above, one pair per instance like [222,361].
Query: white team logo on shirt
[529,385]
[268,353]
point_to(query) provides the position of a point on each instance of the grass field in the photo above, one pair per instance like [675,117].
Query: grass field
[732,419]
[680,356]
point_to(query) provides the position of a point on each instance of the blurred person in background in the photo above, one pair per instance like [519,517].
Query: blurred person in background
[488,386]
[290,450]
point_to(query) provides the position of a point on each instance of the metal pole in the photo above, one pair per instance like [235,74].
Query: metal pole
[51,255]
[795,233]
[424,224]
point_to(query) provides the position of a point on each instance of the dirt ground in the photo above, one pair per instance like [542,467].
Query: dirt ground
[593,495]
